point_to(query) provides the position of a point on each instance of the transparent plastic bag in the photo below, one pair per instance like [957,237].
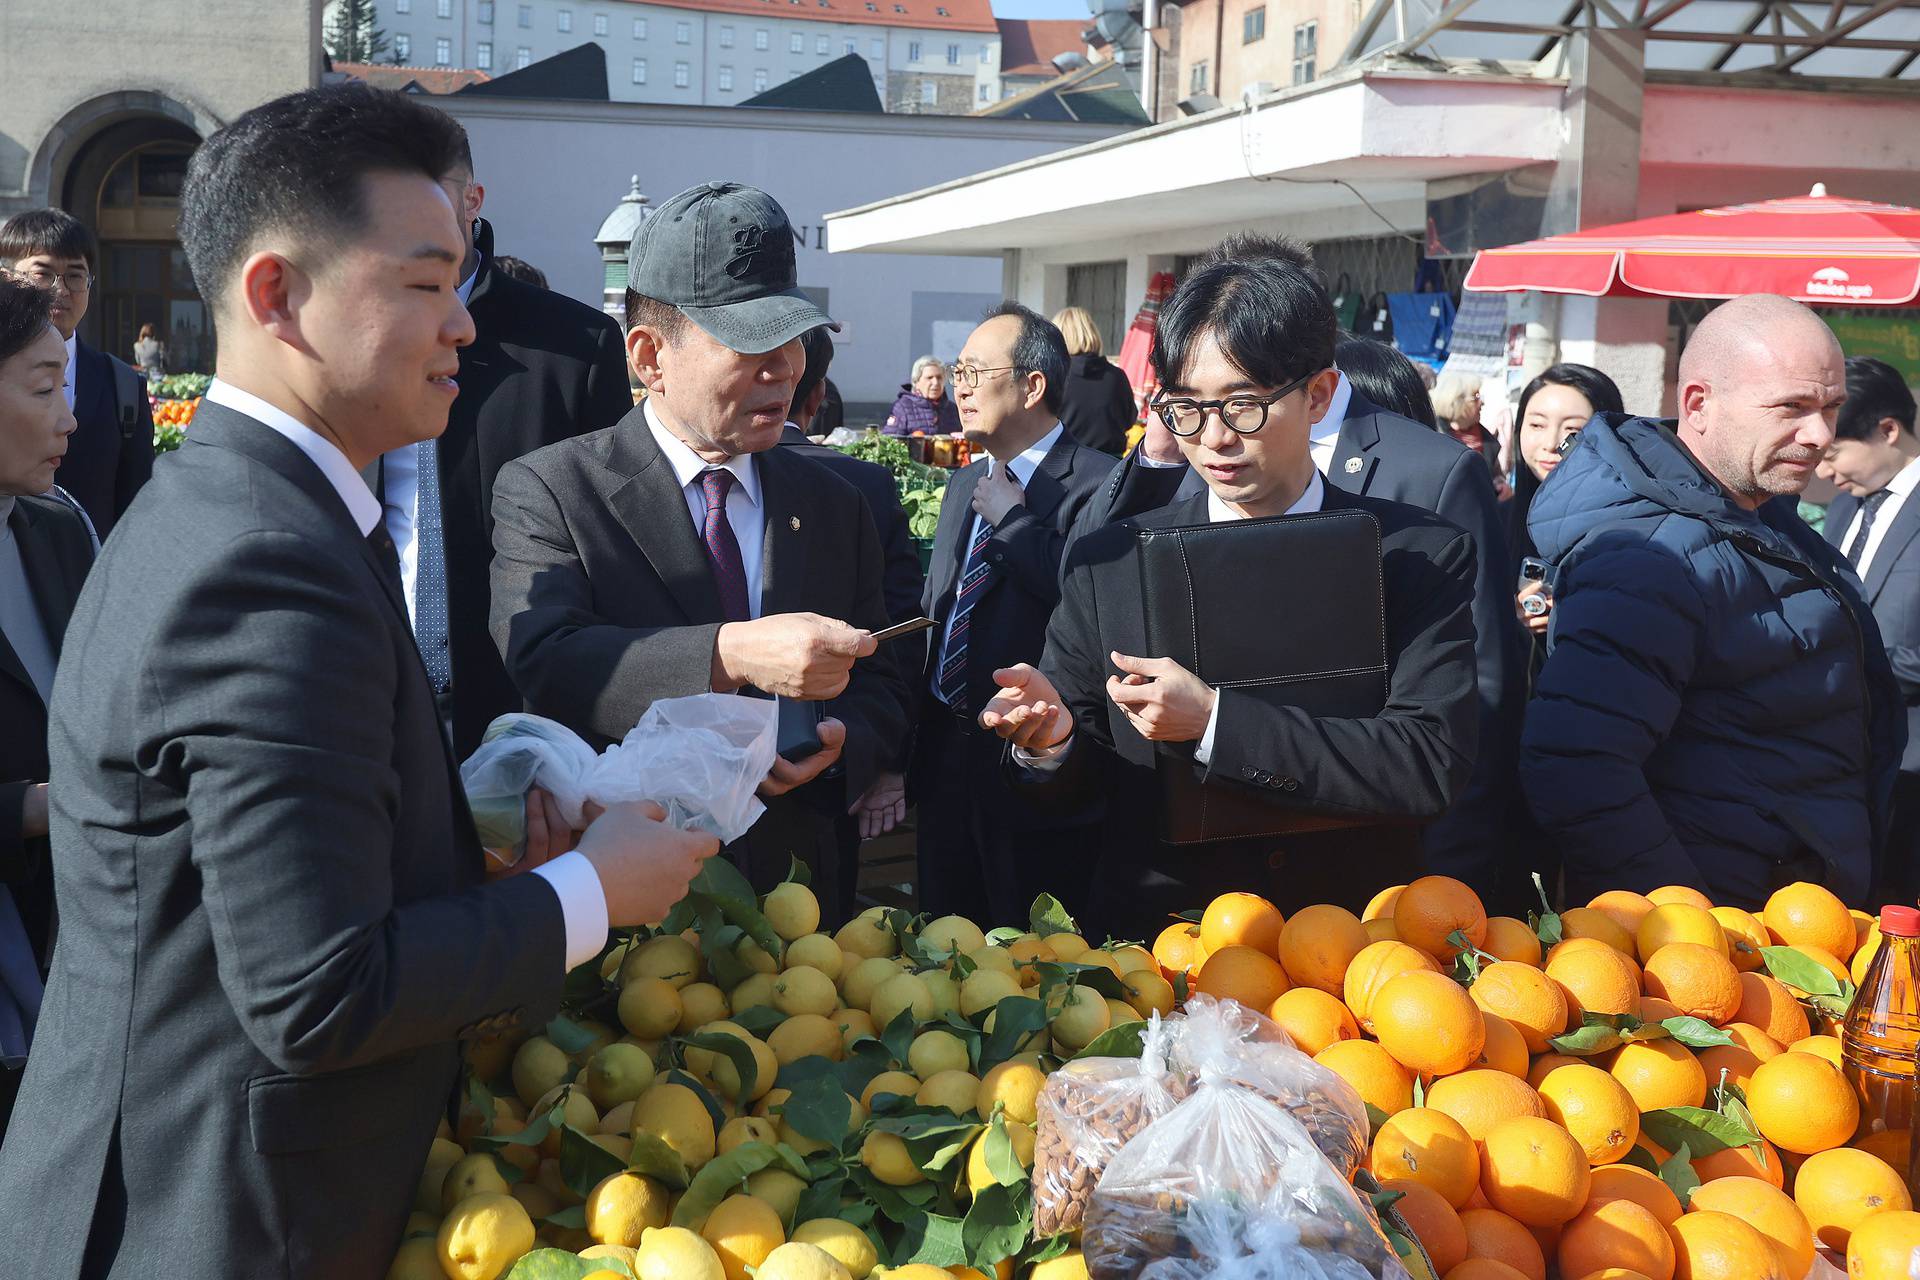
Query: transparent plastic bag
[701,758]
[1090,1109]
[1251,1050]
[1229,1186]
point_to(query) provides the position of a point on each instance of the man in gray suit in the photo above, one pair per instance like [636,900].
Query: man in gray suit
[275,921]
[1875,459]
[680,551]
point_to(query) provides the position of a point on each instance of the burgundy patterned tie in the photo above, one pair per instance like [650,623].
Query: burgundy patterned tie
[723,549]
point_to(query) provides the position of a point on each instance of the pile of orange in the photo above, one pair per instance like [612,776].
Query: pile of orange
[1517,1158]
[174,413]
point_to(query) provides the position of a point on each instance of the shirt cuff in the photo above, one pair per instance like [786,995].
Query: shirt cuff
[1046,759]
[1141,457]
[582,901]
[1204,752]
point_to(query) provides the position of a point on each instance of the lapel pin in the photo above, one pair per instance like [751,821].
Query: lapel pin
[1353,466]
[793,523]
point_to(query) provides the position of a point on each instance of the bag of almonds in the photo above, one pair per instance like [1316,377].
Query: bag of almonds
[1088,1110]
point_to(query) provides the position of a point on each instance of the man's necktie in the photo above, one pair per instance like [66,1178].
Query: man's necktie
[952,686]
[723,549]
[1857,546]
[383,551]
[430,571]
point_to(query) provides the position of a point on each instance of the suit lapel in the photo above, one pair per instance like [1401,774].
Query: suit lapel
[1359,435]
[652,508]
[93,387]
[52,591]
[1839,515]
[1048,488]
[783,548]
[956,514]
[1906,523]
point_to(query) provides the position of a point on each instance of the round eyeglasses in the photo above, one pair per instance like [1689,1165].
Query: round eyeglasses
[1242,415]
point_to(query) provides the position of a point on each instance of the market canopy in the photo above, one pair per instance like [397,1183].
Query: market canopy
[1818,249]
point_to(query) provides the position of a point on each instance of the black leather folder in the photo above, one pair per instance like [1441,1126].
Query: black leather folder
[1285,609]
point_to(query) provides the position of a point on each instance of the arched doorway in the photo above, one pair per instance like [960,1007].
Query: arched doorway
[125,183]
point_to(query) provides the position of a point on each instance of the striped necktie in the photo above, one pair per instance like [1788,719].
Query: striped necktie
[1857,545]
[952,683]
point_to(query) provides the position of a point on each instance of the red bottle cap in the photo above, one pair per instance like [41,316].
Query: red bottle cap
[1900,922]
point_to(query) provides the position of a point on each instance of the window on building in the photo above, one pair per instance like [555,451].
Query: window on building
[761,40]
[953,55]
[443,8]
[726,37]
[526,15]
[443,52]
[682,75]
[899,8]
[639,28]
[796,43]
[759,80]
[599,24]
[851,44]
[1253,24]
[639,70]
[986,54]
[941,10]
[402,47]
[1197,78]
[913,51]
[486,13]
[563,20]
[986,93]
[723,80]
[822,46]
[1306,50]
[521,57]
[483,56]
[878,48]
[929,93]
[403,6]
[682,33]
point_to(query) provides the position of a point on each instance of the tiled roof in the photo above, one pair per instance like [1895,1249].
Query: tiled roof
[1029,46]
[931,15]
[425,79]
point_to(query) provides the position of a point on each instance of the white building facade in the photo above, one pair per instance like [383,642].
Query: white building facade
[926,56]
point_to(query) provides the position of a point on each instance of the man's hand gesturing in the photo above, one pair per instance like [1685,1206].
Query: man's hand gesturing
[794,655]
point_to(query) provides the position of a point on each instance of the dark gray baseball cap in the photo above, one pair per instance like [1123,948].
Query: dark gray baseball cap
[722,253]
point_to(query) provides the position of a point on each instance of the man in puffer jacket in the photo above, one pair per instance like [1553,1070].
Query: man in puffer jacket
[1716,709]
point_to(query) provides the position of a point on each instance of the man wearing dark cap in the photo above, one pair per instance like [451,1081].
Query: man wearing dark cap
[678,551]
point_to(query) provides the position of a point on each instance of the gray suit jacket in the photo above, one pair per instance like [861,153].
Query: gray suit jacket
[1892,585]
[272,923]
[604,600]
[1383,455]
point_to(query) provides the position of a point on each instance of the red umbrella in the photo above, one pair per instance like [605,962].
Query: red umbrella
[1815,248]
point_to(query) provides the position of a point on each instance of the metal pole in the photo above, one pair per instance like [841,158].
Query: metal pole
[1150,62]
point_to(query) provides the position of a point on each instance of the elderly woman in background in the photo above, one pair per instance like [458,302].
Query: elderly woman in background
[1097,406]
[45,551]
[923,404]
[150,354]
[1456,405]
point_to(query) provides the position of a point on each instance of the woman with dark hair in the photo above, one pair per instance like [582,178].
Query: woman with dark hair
[1553,409]
[1385,376]
[45,551]
[1244,357]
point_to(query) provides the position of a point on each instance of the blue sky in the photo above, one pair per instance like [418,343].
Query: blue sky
[1041,9]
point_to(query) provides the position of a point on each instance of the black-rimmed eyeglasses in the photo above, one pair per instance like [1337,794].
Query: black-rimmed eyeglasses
[1242,415]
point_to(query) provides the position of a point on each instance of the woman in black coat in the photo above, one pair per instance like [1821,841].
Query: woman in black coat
[1097,406]
[45,551]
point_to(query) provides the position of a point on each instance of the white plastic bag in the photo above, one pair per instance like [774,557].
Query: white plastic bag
[700,757]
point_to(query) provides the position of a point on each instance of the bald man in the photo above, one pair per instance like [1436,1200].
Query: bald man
[1716,708]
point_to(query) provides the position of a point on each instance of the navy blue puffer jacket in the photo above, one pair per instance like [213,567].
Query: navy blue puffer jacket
[1716,708]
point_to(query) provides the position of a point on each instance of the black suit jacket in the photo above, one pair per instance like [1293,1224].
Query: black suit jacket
[604,601]
[104,469]
[903,582]
[56,553]
[1892,591]
[273,927]
[1383,455]
[541,368]
[1405,765]
[1096,404]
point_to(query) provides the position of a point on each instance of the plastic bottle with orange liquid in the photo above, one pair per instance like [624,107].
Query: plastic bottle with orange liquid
[1880,1039]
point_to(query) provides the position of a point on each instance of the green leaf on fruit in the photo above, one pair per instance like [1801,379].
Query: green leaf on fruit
[898,1036]
[1701,1130]
[997,1224]
[654,1158]
[1695,1033]
[1122,1041]
[823,1197]
[1679,1175]
[571,1218]
[1048,917]
[558,1264]
[901,1205]
[572,1038]
[1796,969]
[700,1091]
[1599,1032]
[1002,936]
[1376,1117]
[736,1051]
[798,872]
[1189,917]
[722,884]
[933,1239]
[721,1177]
[1641,1158]
[1015,1020]
[584,1163]
[819,1109]
[758,1021]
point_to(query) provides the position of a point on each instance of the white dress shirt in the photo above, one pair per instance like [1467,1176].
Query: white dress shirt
[583,901]
[1022,468]
[1322,439]
[1900,488]
[1310,500]
[400,495]
[745,511]
[73,365]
